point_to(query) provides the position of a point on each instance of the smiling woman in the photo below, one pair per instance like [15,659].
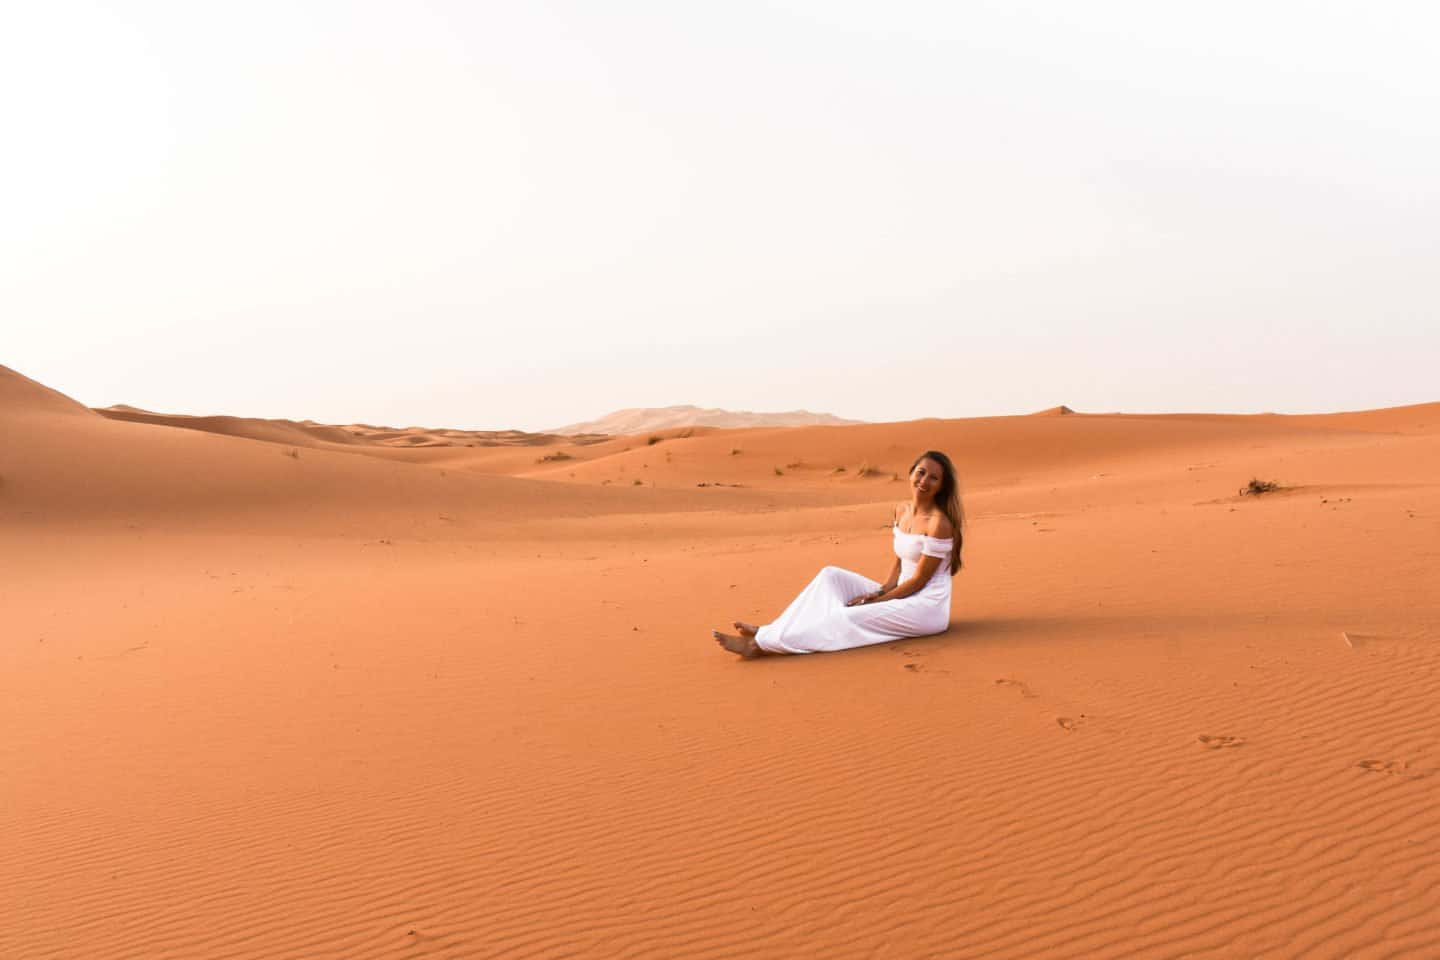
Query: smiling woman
[841,609]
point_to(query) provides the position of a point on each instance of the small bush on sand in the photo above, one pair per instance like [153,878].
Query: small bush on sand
[734,451]
[838,470]
[552,457]
[1256,486]
[779,472]
[654,440]
[637,482]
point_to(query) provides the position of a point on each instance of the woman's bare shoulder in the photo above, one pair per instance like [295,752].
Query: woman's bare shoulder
[940,527]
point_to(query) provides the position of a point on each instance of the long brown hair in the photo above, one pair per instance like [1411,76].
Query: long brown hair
[947,498]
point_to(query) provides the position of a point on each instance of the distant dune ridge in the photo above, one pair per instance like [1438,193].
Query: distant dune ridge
[385,693]
[20,396]
[644,419]
[308,433]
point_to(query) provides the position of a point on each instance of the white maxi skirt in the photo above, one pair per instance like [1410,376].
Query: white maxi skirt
[818,620]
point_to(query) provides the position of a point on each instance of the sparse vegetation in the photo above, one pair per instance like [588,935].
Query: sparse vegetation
[838,470]
[734,451]
[653,440]
[637,482]
[552,457]
[779,472]
[795,466]
[1256,486]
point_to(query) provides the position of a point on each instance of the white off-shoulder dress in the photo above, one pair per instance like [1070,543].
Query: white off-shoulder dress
[819,620]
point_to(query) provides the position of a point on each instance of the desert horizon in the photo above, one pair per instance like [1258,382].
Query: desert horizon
[288,693]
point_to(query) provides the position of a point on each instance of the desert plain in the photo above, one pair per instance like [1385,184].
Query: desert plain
[282,690]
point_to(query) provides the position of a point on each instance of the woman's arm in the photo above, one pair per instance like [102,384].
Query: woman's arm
[939,527]
[923,572]
[899,591]
[894,576]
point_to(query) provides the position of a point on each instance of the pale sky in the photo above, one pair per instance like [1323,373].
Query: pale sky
[525,214]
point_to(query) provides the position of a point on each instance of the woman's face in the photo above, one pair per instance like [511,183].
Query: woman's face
[926,478]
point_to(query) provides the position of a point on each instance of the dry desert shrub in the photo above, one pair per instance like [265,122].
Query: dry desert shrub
[1256,486]
[637,482]
[779,472]
[734,451]
[552,457]
[838,470]
[653,440]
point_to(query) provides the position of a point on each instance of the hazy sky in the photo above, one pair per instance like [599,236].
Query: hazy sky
[524,214]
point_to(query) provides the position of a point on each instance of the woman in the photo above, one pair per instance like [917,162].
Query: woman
[840,609]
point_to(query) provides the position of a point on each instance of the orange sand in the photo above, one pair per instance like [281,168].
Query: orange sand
[352,698]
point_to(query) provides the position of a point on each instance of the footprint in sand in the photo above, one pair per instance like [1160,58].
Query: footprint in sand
[1393,768]
[1070,723]
[1016,684]
[1214,742]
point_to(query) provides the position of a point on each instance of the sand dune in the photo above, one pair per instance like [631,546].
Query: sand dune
[650,419]
[22,397]
[301,433]
[459,701]
[63,467]
[360,437]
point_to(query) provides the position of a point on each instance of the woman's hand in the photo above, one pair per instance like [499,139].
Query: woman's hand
[866,598]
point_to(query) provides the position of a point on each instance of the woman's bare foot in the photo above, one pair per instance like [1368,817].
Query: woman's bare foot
[746,630]
[744,646]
